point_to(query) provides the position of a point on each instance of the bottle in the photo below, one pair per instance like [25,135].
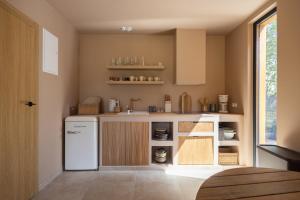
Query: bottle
[168,103]
[142,61]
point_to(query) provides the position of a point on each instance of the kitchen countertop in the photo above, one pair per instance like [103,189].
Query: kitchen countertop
[157,114]
[223,117]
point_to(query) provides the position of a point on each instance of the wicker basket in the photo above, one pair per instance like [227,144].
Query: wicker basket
[227,156]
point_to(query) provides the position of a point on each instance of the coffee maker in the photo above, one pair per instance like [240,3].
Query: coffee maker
[113,104]
[223,103]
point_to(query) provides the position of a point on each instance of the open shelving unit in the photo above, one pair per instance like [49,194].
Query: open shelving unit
[229,149]
[135,82]
[169,150]
[136,67]
[167,144]
[166,125]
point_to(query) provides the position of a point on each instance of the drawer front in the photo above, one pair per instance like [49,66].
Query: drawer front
[189,127]
[197,150]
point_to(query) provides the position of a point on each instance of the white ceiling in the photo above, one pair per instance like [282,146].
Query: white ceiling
[149,16]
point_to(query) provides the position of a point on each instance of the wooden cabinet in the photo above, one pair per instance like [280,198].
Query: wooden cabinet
[190,56]
[197,150]
[125,143]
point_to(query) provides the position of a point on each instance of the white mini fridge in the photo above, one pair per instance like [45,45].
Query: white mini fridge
[81,143]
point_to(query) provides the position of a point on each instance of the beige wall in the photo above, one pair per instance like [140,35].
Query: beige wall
[289,74]
[238,83]
[96,51]
[239,72]
[236,66]
[56,93]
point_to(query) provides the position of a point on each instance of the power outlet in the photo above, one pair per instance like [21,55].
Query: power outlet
[234,105]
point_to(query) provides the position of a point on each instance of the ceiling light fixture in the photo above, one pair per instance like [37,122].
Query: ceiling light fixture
[126,28]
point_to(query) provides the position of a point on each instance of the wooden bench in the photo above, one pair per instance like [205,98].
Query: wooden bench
[251,184]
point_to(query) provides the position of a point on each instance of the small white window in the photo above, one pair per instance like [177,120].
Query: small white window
[50,53]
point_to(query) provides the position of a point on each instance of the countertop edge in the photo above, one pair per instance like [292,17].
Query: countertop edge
[172,115]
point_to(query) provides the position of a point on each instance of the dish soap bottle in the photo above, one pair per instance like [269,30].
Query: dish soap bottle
[168,103]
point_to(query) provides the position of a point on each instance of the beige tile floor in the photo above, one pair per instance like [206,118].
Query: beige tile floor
[121,185]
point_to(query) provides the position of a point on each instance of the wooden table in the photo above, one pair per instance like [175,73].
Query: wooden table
[251,184]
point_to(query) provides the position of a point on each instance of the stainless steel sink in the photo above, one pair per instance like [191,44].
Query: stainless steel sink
[134,113]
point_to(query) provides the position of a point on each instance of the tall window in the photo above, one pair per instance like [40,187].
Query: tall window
[266,78]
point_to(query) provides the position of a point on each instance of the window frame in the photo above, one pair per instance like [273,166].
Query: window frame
[255,79]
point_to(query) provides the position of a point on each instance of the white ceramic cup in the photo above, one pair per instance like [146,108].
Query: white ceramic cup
[142,78]
[150,78]
[156,78]
[131,78]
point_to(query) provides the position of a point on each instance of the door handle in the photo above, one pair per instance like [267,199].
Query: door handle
[30,104]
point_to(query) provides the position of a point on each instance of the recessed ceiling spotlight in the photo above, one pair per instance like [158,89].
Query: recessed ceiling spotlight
[126,28]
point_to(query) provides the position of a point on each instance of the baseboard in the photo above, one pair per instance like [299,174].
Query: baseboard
[43,184]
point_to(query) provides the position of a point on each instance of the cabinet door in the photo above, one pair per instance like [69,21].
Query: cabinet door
[198,150]
[190,56]
[113,143]
[137,143]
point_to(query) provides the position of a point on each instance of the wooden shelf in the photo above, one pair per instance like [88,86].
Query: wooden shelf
[161,143]
[229,142]
[136,67]
[135,82]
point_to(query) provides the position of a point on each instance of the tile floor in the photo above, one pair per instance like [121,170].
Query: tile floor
[126,185]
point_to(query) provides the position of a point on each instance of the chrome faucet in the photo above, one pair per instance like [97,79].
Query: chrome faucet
[131,104]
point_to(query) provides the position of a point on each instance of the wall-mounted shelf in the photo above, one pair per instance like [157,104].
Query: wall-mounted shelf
[135,82]
[136,67]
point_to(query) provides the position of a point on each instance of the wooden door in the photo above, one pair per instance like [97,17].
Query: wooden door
[198,150]
[113,143]
[137,143]
[18,122]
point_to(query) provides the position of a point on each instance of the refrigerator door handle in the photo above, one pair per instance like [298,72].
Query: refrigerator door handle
[73,132]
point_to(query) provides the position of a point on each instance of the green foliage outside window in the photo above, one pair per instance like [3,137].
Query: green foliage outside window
[271,80]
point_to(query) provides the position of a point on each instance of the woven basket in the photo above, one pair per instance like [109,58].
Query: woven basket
[228,157]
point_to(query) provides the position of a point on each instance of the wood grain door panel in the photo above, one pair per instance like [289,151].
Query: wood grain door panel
[198,150]
[18,122]
[113,143]
[137,143]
